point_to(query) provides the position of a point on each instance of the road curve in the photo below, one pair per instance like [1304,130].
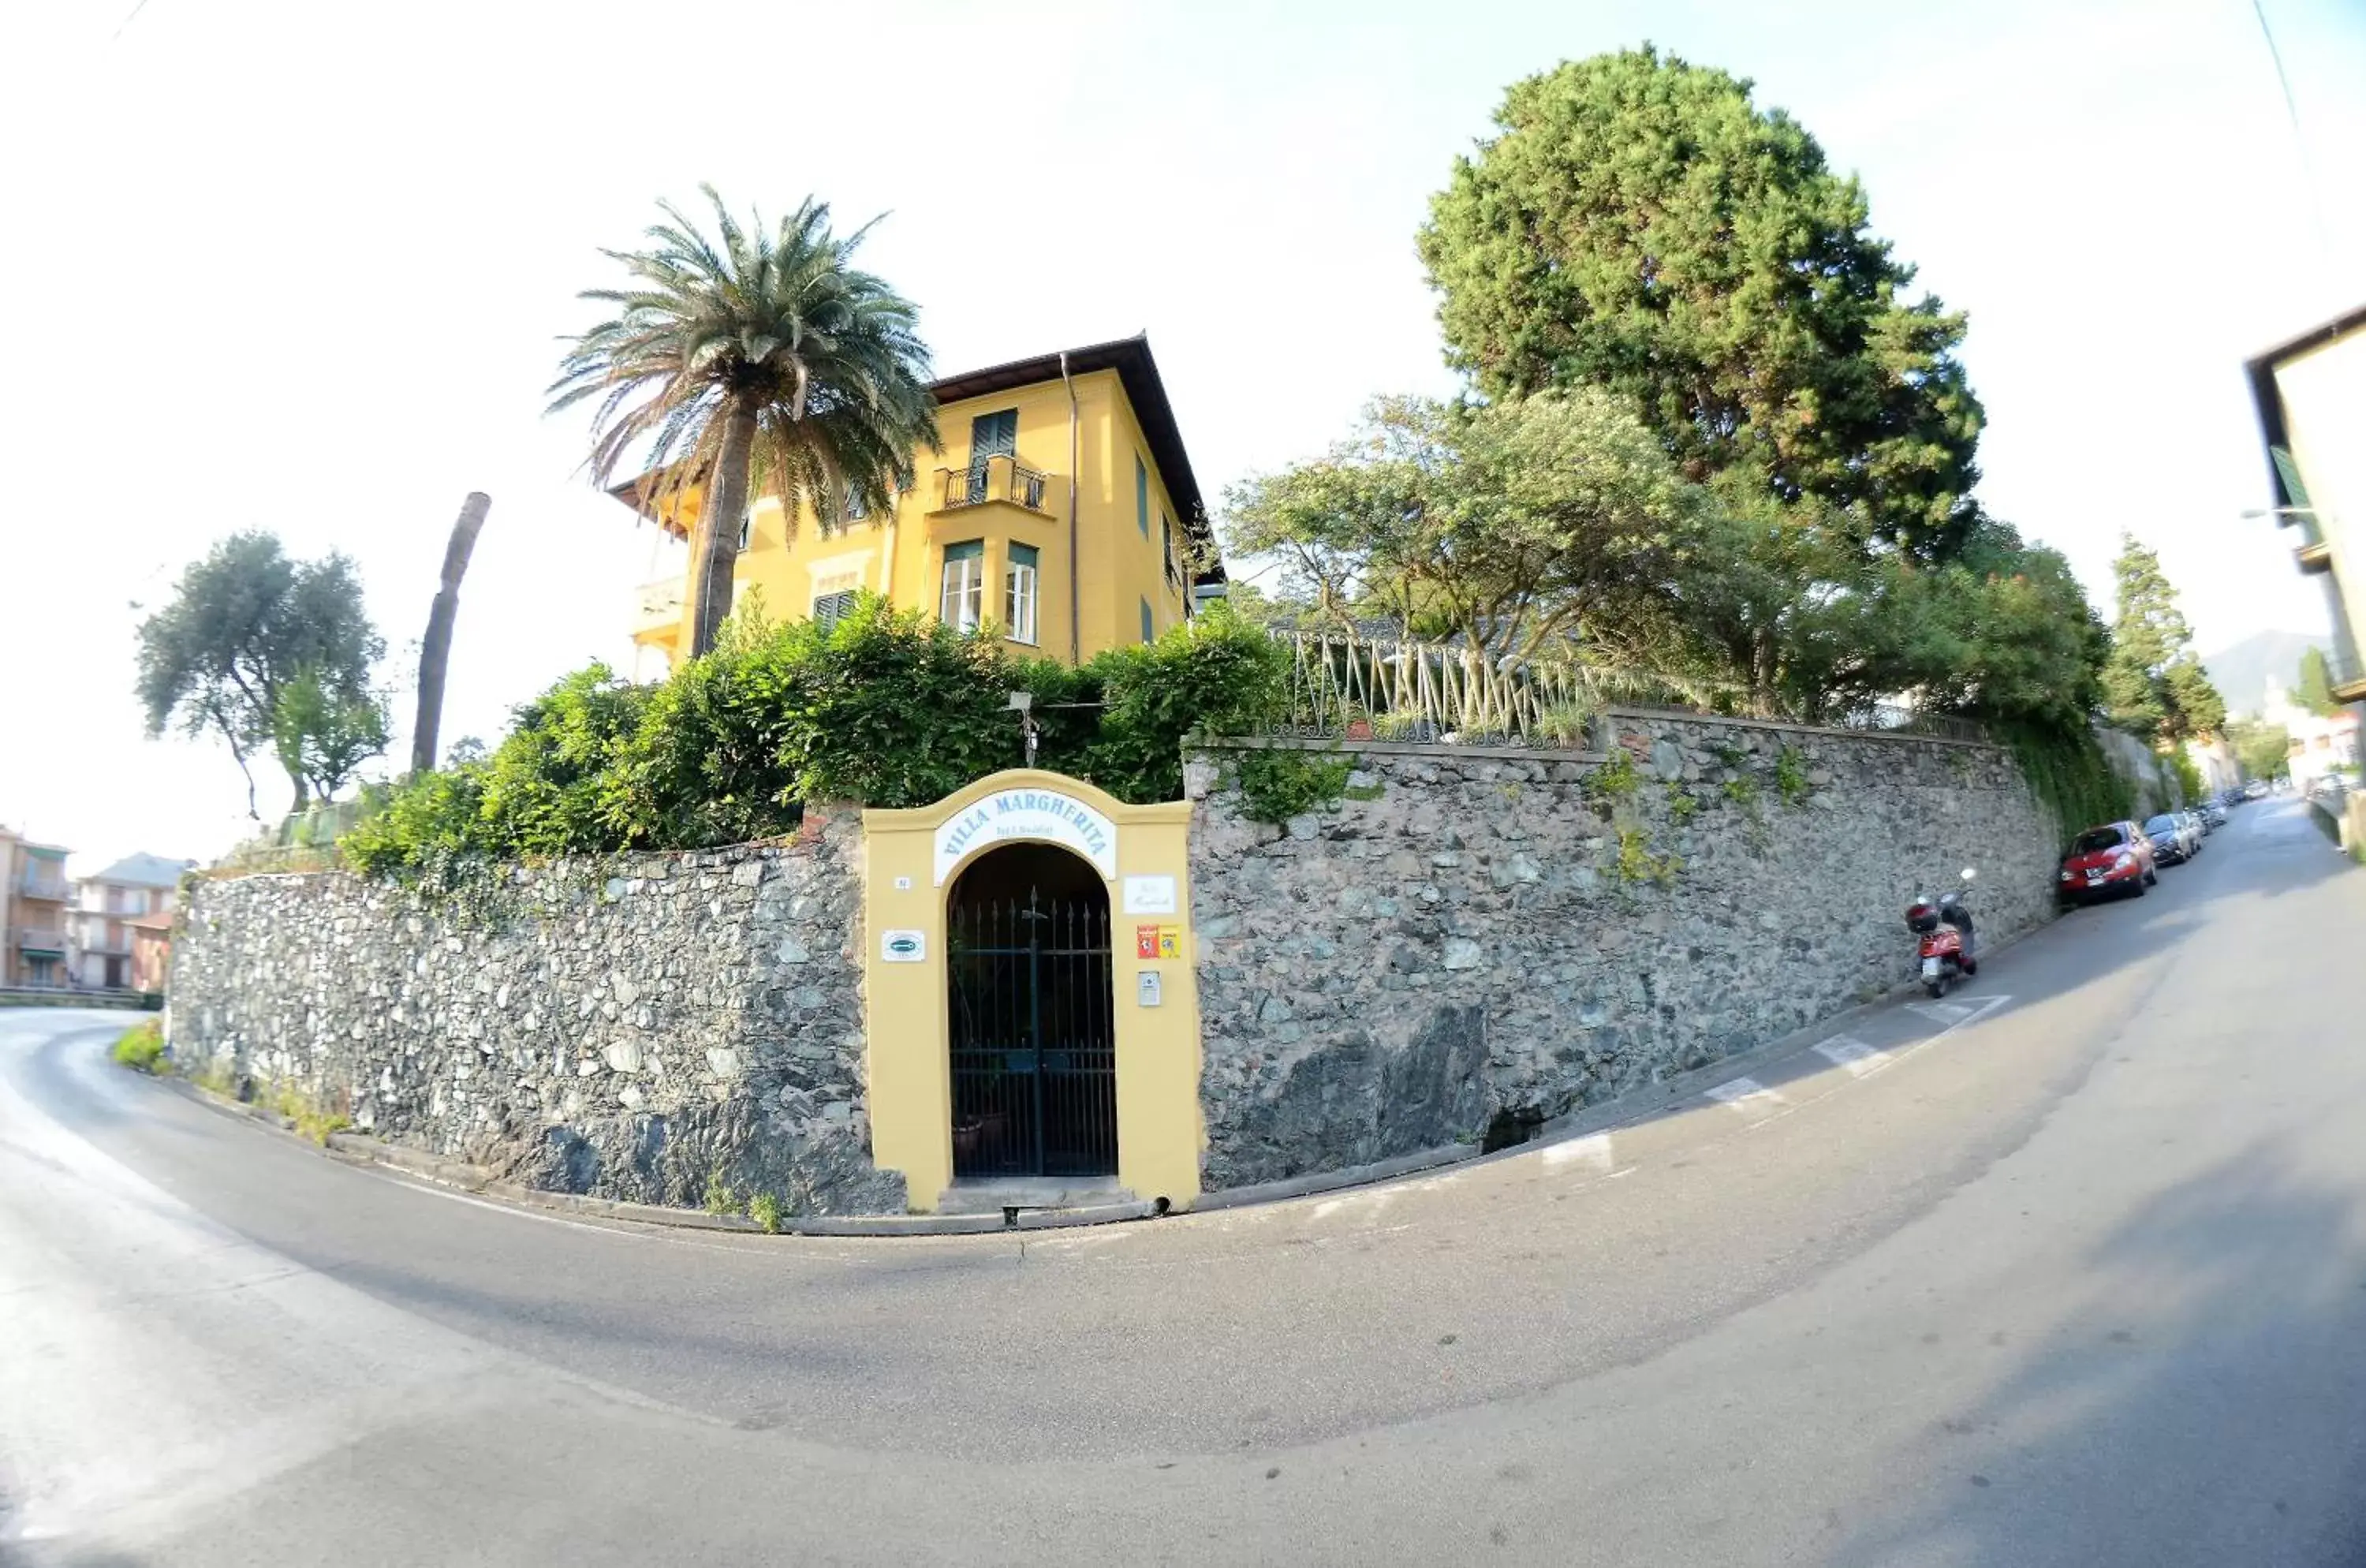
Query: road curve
[2069,1269]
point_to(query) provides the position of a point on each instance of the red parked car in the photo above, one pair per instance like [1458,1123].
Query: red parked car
[2115,858]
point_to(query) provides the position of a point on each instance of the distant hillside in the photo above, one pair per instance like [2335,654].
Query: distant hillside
[2242,672]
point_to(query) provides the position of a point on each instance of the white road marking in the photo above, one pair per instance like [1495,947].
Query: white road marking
[1747,1096]
[1946,1013]
[1847,1051]
[1592,1150]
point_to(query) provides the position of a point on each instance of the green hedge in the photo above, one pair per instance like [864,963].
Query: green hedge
[2069,773]
[882,709]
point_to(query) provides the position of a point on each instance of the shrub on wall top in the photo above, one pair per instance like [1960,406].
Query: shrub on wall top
[883,708]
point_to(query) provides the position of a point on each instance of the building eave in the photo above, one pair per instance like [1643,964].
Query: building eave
[2260,370]
[1136,370]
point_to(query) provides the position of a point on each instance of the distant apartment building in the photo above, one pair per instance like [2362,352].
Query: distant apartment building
[34,897]
[2310,396]
[2319,743]
[114,923]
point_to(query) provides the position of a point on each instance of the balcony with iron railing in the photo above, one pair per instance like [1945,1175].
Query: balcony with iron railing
[992,479]
[657,605]
[2345,676]
[2313,554]
[52,890]
[37,939]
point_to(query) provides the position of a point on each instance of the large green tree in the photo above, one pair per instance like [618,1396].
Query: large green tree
[1770,595]
[1516,524]
[246,624]
[2154,685]
[759,354]
[1639,224]
[324,731]
[2261,747]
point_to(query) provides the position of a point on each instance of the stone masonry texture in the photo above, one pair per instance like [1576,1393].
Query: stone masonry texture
[624,1028]
[1476,940]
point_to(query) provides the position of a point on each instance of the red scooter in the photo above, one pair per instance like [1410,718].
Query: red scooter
[1945,928]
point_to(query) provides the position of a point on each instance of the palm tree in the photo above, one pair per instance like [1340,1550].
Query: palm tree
[756,350]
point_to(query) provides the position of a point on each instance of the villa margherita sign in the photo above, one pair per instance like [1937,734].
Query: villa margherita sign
[1029,814]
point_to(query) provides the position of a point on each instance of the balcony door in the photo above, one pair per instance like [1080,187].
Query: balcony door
[991,435]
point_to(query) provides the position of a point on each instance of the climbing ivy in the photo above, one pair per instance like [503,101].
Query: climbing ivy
[1615,779]
[1637,864]
[1277,785]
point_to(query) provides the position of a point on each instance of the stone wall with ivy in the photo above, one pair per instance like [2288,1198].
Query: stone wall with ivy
[681,1028]
[1462,942]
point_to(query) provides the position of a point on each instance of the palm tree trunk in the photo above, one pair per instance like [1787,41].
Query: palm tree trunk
[718,521]
[435,653]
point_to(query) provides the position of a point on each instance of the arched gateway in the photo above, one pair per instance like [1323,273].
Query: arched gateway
[1028,987]
[1031,1033]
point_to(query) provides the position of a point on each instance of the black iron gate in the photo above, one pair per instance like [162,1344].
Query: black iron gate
[1034,1046]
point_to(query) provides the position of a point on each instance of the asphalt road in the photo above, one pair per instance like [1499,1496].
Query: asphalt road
[2070,1269]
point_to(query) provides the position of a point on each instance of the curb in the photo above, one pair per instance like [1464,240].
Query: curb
[357,1148]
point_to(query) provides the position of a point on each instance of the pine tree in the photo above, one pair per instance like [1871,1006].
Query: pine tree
[2315,691]
[1641,224]
[2154,685]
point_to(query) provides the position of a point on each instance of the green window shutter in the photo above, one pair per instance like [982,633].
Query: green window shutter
[970,550]
[1142,496]
[2296,492]
[1149,633]
[1025,555]
[994,435]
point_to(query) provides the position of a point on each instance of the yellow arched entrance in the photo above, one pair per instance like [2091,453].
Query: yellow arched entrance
[911,860]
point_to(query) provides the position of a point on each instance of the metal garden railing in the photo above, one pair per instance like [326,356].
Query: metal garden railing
[1344,684]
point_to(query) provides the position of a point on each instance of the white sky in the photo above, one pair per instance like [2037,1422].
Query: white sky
[301,267]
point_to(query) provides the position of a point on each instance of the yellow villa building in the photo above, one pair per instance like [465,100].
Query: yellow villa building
[1061,511]
[1025,941]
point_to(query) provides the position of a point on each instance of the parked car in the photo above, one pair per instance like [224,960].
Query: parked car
[2215,815]
[2255,790]
[2115,858]
[2171,840]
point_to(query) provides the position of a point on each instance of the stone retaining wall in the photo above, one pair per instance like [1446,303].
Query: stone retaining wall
[620,1028]
[1481,940]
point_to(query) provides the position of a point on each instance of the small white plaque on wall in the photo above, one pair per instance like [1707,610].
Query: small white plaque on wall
[903,947]
[1149,894]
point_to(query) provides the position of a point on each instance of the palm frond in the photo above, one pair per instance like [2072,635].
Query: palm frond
[723,317]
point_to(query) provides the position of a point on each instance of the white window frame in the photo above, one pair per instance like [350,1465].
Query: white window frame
[1022,584]
[960,593]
